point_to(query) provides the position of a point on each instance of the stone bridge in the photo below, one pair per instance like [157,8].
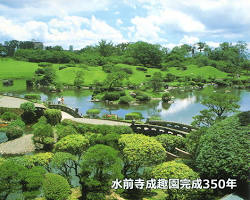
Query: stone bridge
[153,130]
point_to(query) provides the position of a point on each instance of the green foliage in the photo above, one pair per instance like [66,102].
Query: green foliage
[169,142]
[55,187]
[223,150]
[244,118]
[43,136]
[109,68]
[140,151]
[14,132]
[9,178]
[145,53]
[74,144]
[63,131]
[99,166]
[32,96]
[156,81]
[8,116]
[111,96]
[44,64]
[142,69]
[166,97]
[53,116]
[219,104]
[114,79]
[79,79]
[28,107]
[125,100]
[93,112]
[133,116]
[28,115]
[140,96]
[176,170]
[102,129]
[63,162]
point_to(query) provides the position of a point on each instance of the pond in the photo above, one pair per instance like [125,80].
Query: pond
[186,103]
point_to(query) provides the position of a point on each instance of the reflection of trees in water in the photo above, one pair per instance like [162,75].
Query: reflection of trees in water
[165,105]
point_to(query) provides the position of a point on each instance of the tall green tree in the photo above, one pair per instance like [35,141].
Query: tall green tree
[219,105]
[99,166]
[145,53]
[156,81]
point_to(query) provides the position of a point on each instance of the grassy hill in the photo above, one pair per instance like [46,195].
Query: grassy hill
[21,71]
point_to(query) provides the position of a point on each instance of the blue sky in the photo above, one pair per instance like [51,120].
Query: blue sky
[85,22]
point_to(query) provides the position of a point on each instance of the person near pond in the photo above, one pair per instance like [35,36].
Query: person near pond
[62,100]
[59,100]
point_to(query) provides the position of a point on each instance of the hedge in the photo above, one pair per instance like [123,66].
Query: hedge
[111,96]
[14,132]
[93,112]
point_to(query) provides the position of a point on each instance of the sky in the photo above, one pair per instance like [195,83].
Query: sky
[85,22]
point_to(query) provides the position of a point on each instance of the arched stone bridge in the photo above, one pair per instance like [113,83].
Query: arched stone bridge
[154,128]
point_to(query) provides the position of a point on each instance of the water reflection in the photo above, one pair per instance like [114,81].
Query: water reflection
[186,103]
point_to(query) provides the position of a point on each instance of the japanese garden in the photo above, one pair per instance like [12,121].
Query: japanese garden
[72,122]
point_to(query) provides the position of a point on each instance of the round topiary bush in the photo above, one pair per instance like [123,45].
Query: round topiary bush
[176,170]
[14,132]
[53,116]
[56,187]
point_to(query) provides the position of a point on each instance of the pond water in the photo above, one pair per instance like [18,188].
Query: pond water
[186,103]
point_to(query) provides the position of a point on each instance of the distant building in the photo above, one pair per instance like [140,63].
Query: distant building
[70,47]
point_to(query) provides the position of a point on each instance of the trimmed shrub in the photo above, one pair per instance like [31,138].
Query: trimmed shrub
[111,96]
[169,142]
[56,187]
[140,96]
[53,116]
[93,112]
[142,69]
[29,115]
[108,68]
[166,97]
[176,170]
[14,132]
[74,144]
[133,116]
[8,116]
[66,130]
[125,100]
[44,64]
[223,150]
[32,96]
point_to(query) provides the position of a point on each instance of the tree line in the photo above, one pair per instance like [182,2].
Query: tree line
[227,57]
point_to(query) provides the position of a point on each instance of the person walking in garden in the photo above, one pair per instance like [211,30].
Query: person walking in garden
[59,100]
[62,100]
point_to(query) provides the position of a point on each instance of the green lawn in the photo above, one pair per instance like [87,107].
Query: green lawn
[10,68]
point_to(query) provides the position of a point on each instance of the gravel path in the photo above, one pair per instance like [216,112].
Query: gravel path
[66,115]
[99,121]
[12,102]
[20,145]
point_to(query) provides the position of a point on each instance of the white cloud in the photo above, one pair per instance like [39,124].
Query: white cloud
[74,30]
[189,40]
[119,22]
